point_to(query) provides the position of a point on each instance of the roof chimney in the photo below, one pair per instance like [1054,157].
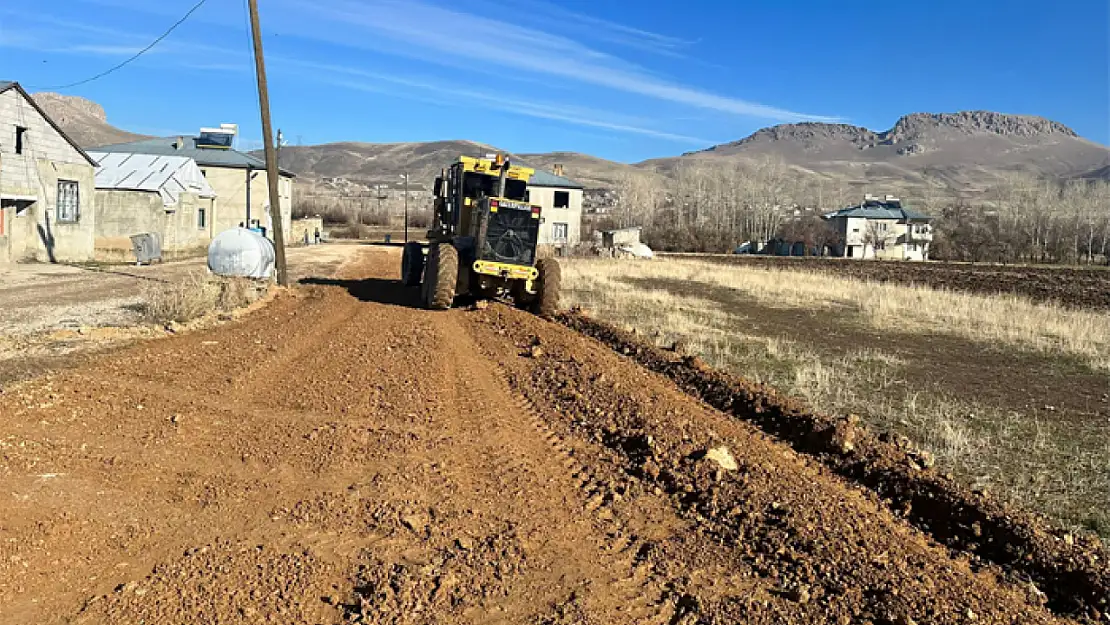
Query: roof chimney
[557,169]
[180,143]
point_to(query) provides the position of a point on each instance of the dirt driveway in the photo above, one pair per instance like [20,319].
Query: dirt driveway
[56,315]
[40,297]
[340,456]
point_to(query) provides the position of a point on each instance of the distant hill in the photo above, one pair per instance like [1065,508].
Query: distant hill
[369,164]
[83,120]
[963,152]
[384,163]
[591,171]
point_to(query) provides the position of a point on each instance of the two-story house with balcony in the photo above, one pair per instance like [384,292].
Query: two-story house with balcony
[882,228]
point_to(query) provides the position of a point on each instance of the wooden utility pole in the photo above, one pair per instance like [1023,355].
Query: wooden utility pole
[272,172]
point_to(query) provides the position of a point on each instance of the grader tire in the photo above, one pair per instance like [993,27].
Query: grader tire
[548,284]
[442,276]
[412,263]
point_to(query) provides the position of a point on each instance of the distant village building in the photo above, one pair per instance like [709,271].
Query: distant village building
[239,179]
[167,196]
[882,228]
[46,185]
[560,199]
[620,237]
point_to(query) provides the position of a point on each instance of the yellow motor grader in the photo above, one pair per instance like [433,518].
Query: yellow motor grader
[483,240]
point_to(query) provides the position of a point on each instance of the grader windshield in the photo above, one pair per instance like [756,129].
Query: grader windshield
[476,185]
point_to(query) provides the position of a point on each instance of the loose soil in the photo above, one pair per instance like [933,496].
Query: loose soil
[340,456]
[1076,287]
[53,315]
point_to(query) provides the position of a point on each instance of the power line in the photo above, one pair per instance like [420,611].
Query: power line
[136,56]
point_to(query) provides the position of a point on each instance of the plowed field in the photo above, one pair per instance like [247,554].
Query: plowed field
[1075,287]
[340,456]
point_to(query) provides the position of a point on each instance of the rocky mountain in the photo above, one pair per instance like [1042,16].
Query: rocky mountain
[83,120]
[963,151]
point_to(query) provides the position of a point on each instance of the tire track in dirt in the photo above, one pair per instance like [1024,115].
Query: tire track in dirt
[413,467]
[794,542]
[1071,571]
[636,589]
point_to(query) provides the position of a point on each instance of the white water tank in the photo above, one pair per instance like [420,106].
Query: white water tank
[241,253]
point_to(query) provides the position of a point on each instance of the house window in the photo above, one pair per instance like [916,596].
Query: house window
[202,219]
[20,136]
[559,231]
[68,201]
[562,199]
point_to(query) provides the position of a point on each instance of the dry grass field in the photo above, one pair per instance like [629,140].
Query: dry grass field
[1011,395]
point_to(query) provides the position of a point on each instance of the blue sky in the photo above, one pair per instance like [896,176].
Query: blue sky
[620,79]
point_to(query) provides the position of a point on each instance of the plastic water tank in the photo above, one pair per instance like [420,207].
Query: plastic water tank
[638,250]
[241,253]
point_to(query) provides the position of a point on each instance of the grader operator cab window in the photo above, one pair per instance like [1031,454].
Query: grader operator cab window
[475,185]
[438,190]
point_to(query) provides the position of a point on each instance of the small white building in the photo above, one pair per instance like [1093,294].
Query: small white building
[560,199]
[239,178]
[882,228]
[147,193]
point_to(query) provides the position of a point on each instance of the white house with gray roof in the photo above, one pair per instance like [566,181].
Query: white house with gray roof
[560,199]
[882,228]
[239,179]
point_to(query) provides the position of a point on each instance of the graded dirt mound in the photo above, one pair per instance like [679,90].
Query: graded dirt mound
[1073,571]
[343,456]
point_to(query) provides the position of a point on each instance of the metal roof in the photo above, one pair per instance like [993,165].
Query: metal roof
[546,179]
[168,176]
[205,157]
[879,210]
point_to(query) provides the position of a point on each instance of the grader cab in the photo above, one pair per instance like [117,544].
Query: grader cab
[483,240]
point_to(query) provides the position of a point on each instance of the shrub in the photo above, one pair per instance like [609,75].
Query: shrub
[197,295]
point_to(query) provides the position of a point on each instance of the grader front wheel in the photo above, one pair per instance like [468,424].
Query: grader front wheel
[547,287]
[441,276]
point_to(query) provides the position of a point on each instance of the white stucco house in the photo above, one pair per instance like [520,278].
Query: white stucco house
[882,228]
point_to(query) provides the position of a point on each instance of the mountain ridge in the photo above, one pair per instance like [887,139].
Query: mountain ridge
[963,151]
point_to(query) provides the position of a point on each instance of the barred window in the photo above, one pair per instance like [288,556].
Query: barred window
[68,201]
[559,231]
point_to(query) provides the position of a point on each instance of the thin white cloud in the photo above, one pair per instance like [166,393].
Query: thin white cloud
[427,32]
[430,92]
[103,50]
[602,29]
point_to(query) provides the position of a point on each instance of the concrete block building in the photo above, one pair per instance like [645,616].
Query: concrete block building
[239,179]
[46,186]
[142,193]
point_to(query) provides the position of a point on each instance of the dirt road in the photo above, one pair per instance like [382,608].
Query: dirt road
[341,456]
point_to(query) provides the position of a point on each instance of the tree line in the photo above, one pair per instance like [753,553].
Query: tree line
[705,207]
